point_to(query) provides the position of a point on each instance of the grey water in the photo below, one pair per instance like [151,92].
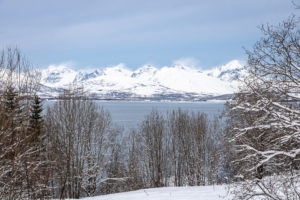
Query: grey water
[130,114]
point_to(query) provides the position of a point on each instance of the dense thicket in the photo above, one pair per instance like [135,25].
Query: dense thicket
[92,157]
[22,153]
[76,132]
[177,149]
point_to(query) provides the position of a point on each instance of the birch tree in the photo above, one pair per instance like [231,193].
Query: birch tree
[77,130]
[179,148]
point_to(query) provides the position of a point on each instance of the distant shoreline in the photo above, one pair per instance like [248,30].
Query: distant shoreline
[221,98]
[149,101]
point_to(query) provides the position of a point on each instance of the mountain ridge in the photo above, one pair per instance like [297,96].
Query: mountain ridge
[176,82]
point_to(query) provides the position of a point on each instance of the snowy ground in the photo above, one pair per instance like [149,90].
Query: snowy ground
[170,193]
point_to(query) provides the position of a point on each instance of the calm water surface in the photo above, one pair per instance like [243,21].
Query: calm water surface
[130,114]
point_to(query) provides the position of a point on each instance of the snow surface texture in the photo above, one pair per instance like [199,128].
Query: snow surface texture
[170,193]
[119,82]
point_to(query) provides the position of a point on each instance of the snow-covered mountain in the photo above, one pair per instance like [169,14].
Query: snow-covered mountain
[176,82]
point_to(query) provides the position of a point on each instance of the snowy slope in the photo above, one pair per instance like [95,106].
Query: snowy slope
[170,193]
[119,82]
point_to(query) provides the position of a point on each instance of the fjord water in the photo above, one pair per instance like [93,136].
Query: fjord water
[130,114]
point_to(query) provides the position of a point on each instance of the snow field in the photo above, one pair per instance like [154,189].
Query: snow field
[216,192]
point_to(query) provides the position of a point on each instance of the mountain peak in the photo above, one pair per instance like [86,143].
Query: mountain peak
[232,65]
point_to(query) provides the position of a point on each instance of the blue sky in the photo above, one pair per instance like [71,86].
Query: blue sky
[100,33]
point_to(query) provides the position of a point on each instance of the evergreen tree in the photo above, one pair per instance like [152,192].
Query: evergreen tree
[12,118]
[36,119]
[12,107]
[10,99]
[12,146]
[39,158]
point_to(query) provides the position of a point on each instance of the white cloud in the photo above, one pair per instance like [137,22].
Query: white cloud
[68,63]
[187,61]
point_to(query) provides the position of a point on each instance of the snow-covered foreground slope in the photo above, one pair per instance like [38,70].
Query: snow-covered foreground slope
[170,193]
[148,82]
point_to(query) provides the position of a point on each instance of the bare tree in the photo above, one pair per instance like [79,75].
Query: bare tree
[179,148]
[136,166]
[178,124]
[77,130]
[17,72]
[152,130]
[193,148]
[117,177]
[265,116]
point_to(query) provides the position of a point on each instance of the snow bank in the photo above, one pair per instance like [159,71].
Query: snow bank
[170,193]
